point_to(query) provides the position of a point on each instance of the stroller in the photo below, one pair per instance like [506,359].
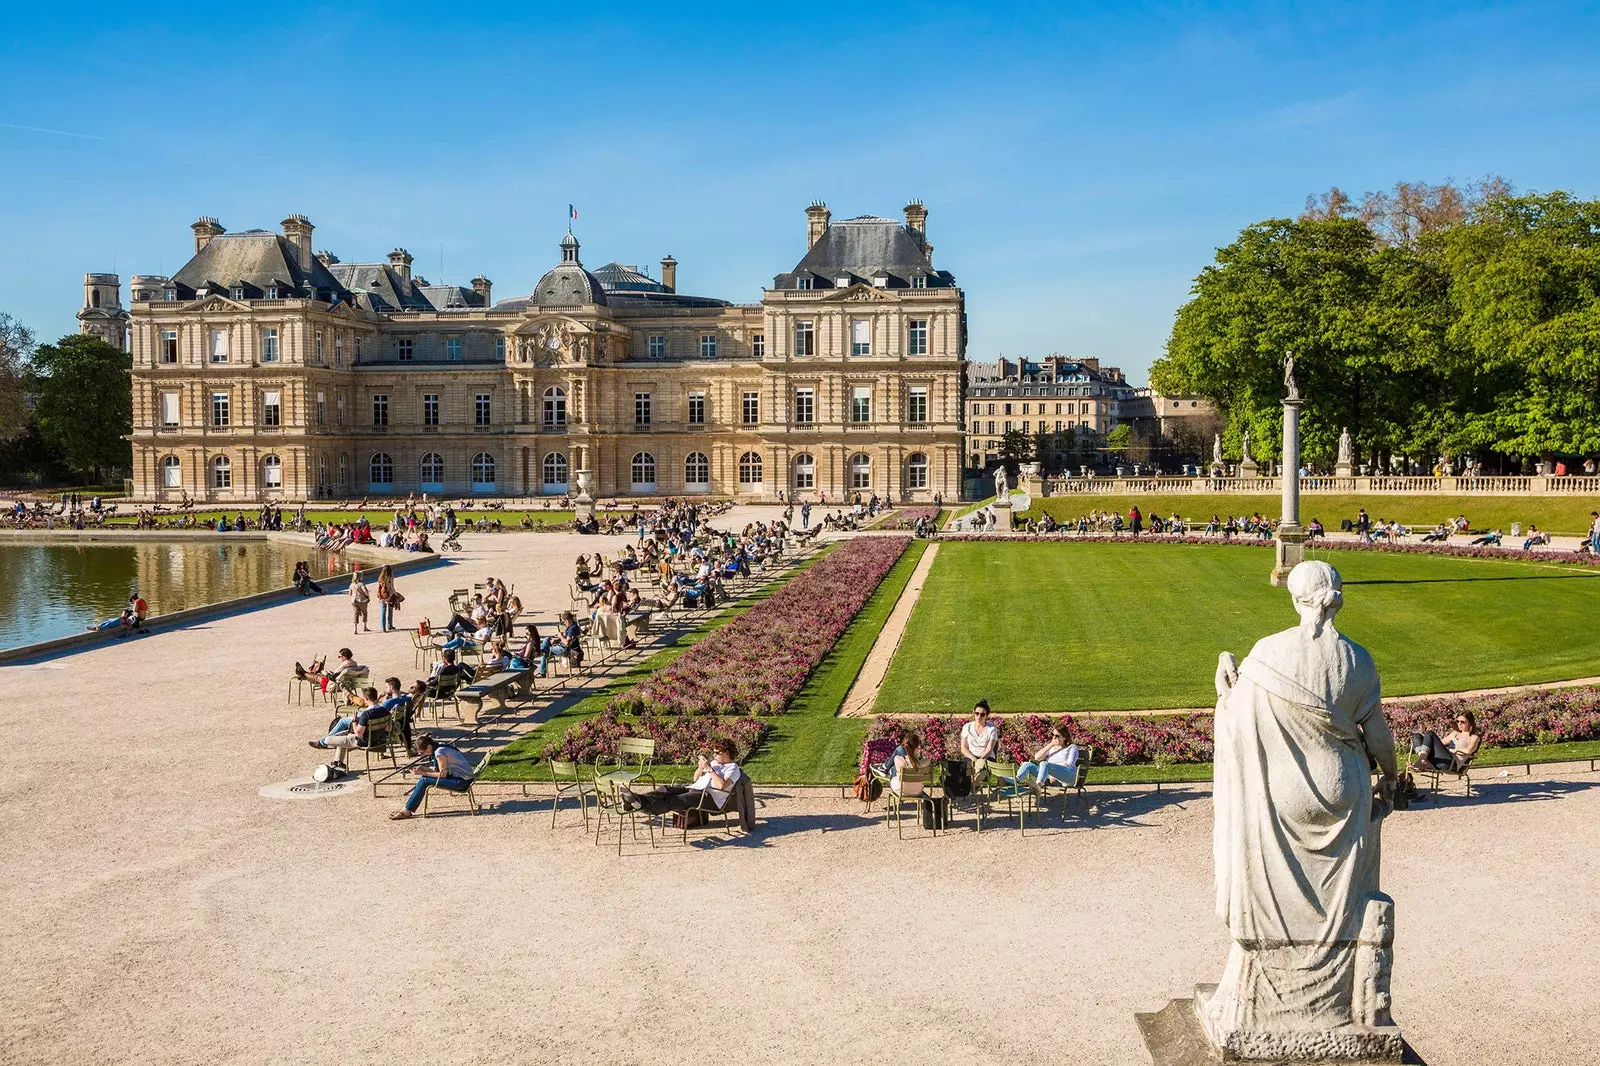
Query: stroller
[452,540]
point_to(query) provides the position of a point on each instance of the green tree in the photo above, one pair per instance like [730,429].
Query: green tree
[1016,447]
[16,345]
[83,403]
[1525,338]
[1119,440]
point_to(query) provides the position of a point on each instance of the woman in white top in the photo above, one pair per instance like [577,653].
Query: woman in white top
[978,738]
[1057,759]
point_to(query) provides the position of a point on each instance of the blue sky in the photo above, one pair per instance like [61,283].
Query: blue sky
[1080,162]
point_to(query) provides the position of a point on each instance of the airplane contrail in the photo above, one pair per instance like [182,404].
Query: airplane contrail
[58,133]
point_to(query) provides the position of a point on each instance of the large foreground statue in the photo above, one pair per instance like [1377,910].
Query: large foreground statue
[1299,725]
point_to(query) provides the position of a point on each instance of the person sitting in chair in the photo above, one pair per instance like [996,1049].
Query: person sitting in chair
[907,756]
[447,669]
[1056,760]
[445,767]
[1453,752]
[351,731]
[570,638]
[345,664]
[979,739]
[715,777]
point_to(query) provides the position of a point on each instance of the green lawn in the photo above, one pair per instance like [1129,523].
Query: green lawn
[1075,627]
[1555,514]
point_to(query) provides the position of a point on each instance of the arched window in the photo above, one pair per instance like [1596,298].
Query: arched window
[322,475]
[805,472]
[344,471]
[555,406]
[917,471]
[483,472]
[749,469]
[171,473]
[272,472]
[643,472]
[380,471]
[555,473]
[94,297]
[221,473]
[696,473]
[431,469]
[860,471]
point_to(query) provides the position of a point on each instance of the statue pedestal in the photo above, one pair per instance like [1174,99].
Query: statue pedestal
[1344,470]
[1002,516]
[1175,1035]
[1289,550]
[1249,469]
[583,503]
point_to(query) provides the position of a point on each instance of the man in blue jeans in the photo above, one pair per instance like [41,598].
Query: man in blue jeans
[447,768]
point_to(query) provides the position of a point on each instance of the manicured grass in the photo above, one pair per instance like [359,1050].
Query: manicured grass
[810,744]
[1554,514]
[1074,627]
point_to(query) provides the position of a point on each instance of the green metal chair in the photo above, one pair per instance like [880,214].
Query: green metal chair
[1019,796]
[471,796]
[568,778]
[913,787]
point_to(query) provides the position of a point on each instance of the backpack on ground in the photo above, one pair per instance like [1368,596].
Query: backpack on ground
[932,811]
[957,779]
[867,788]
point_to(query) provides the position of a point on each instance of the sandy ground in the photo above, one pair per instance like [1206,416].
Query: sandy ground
[159,910]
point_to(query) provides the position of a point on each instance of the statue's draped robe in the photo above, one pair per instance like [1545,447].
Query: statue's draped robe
[1295,844]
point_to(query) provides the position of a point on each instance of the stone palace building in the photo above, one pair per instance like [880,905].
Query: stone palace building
[262,370]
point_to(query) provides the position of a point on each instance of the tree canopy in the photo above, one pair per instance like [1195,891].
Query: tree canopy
[1430,321]
[83,404]
[16,345]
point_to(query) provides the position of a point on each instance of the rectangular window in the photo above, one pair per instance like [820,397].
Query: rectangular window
[861,403]
[322,407]
[272,292]
[752,408]
[1058,425]
[237,292]
[500,348]
[657,346]
[1041,427]
[697,408]
[380,409]
[219,346]
[1008,426]
[272,409]
[708,345]
[917,337]
[338,349]
[480,409]
[339,408]
[1058,408]
[430,408]
[860,337]
[1083,408]
[641,408]
[977,409]
[805,339]
[1007,410]
[403,348]
[169,408]
[219,409]
[917,404]
[1025,408]
[358,348]
[805,407]
[269,345]
[919,282]
[319,348]
[991,425]
[991,409]
[758,346]
[452,349]
[802,283]
[169,346]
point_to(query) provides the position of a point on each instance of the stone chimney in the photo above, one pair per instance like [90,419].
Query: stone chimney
[205,228]
[326,258]
[817,216]
[917,223]
[483,287]
[669,273]
[400,260]
[297,230]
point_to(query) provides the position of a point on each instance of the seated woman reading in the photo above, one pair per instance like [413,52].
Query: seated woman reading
[907,756]
[1056,760]
[1451,753]
[715,777]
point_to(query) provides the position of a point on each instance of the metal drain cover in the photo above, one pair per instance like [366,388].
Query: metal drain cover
[301,789]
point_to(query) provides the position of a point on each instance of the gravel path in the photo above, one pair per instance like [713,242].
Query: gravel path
[159,910]
[863,694]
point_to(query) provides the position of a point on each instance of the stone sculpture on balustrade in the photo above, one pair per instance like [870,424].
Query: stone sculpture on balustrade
[1299,724]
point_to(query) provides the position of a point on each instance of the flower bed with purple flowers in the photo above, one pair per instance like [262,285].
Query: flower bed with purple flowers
[678,740]
[757,663]
[1459,551]
[1512,720]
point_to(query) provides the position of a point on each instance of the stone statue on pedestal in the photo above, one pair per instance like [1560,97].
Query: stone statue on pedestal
[1293,390]
[1345,467]
[1001,486]
[1296,844]
[1216,450]
[1244,448]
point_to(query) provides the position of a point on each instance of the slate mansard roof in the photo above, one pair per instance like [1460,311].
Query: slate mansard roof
[860,248]
[256,261]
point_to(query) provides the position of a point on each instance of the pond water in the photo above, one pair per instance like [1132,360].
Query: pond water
[56,590]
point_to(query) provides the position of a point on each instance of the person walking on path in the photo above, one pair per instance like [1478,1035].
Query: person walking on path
[389,599]
[360,596]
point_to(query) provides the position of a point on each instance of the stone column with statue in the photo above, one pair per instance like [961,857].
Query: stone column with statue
[1001,508]
[1248,467]
[1295,849]
[1346,466]
[1289,545]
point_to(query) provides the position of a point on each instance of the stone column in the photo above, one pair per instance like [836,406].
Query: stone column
[1290,543]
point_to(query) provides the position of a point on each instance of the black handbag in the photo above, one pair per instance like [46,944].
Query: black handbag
[932,812]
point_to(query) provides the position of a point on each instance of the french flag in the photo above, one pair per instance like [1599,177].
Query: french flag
[572,212]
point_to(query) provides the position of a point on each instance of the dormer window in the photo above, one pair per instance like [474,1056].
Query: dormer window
[919,282]
[272,292]
[169,295]
[802,283]
[842,281]
[237,292]
[880,280]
